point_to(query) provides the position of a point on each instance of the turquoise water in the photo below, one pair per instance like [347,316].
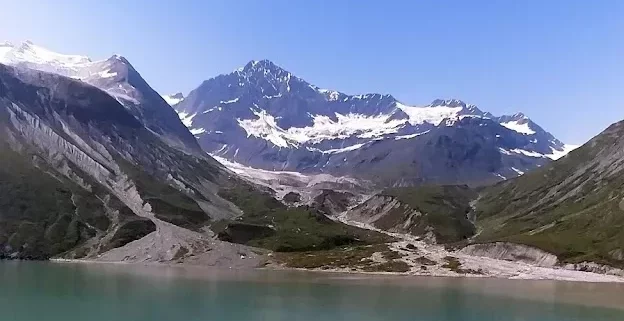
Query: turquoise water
[68,292]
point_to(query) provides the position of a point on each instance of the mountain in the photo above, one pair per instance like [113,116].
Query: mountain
[114,75]
[265,117]
[82,176]
[573,207]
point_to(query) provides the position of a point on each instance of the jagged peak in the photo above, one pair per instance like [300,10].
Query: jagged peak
[263,64]
[517,117]
[119,58]
[447,103]
[30,52]
[177,95]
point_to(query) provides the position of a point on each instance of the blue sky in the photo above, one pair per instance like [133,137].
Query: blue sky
[560,62]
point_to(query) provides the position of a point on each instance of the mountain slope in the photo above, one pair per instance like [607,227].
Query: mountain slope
[573,207]
[438,214]
[94,150]
[265,117]
[113,190]
[117,77]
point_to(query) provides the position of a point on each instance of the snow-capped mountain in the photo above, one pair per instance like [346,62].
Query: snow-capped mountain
[114,75]
[263,116]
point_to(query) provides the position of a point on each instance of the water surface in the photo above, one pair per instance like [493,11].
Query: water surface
[32,291]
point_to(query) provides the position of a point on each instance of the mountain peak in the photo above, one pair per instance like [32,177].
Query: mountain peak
[264,65]
[519,115]
[28,52]
[119,59]
[174,98]
[447,103]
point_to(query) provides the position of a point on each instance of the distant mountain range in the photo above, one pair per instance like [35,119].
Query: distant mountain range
[265,117]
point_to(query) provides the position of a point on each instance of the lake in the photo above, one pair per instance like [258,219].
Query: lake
[43,291]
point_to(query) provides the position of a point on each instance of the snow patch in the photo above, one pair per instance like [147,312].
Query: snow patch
[342,150]
[230,101]
[266,128]
[212,109]
[524,152]
[500,176]
[187,119]
[556,154]
[29,52]
[410,136]
[432,115]
[331,95]
[197,131]
[107,74]
[171,100]
[522,128]
[323,128]
[527,153]
[345,126]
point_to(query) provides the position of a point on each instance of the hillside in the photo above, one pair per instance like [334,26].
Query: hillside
[573,207]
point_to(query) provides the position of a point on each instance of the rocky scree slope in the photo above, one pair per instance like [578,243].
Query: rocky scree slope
[265,117]
[437,214]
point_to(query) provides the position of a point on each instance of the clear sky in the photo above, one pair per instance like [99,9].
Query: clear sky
[561,62]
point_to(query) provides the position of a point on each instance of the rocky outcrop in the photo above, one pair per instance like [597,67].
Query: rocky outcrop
[436,213]
[511,252]
[331,202]
[594,268]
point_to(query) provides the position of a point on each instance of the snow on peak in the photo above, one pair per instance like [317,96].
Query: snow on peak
[263,64]
[173,99]
[81,67]
[447,103]
[31,53]
[331,95]
[323,128]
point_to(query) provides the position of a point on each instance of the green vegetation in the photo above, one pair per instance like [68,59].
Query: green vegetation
[390,266]
[425,261]
[445,208]
[38,218]
[571,208]
[453,264]
[168,203]
[295,229]
[352,257]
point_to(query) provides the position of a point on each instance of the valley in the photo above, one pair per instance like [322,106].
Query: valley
[259,168]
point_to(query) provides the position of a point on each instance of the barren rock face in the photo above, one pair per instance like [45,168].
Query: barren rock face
[118,180]
[512,252]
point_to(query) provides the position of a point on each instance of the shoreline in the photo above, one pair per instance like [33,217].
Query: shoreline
[568,275]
